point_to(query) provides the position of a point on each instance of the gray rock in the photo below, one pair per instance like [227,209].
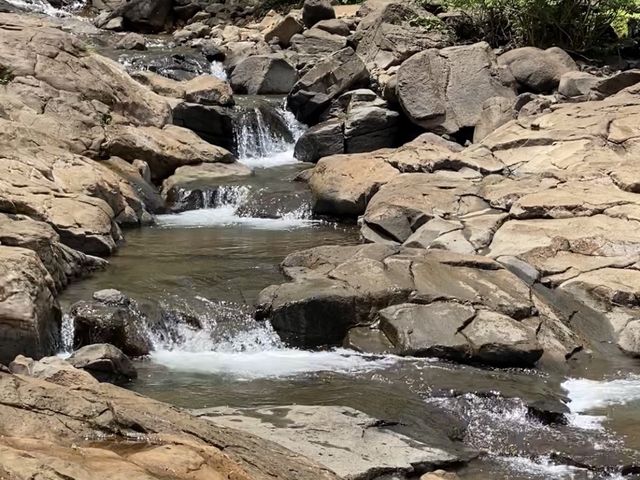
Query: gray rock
[317,42]
[368,340]
[348,442]
[132,41]
[496,111]
[322,140]
[147,16]
[111,296]
[334,26]
[211,123]
[284,30]
[104,361]
[615,83]
[263,75]
[577,84]
[313,93]
[537,70]
[444,90]
[369,128]
[314,11]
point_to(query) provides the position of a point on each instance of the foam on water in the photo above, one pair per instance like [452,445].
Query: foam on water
[274,363]
[541,467]
[586,395]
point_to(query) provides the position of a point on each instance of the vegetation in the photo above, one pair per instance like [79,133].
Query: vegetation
[577,25]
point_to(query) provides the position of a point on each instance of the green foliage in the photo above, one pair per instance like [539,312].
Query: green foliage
[573,24]
[6,75]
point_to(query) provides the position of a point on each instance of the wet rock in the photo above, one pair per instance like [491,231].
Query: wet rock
[263,75]
[444,90]
[132,41]
[338,73]
[32,443]
[213,124]
[537,70]
[347,442]
[111,296]
[368,340]
[119,324]
[175,66]
[165,149]
[313,11]
[321,140]
[105,362]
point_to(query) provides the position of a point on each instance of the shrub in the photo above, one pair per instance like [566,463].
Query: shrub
[572,24]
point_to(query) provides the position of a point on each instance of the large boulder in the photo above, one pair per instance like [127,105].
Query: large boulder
[283,30]
[444,90]
[264,75]
[313,11]
[313,93]
[149,16]
[316,42]
[321,140]
[215,125]
[537,70]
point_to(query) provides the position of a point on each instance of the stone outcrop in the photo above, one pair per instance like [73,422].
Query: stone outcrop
[427,302]
[443,90]
[313,93]
[53,414]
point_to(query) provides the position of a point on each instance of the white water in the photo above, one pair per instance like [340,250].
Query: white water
[217,70]
[42,6]
[259,147]
[586,395]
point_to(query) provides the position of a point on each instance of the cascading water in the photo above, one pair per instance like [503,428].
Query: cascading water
[44,7]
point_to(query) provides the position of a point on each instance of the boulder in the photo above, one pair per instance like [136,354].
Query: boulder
[338,73]
[132,41]
[577,84]
[53,370]
[120,324]
[208,90]
[368,128]
[444,90]
[215,125]
[105,362]
[263,75]
[283,30]
[334,26]
[616,83]
[496,111]
[317,42]
[164,149]
[322,140]
[147,16]
[314,11]
[537,70]
[347,442]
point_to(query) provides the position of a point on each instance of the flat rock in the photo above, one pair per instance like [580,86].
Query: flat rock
[346,441]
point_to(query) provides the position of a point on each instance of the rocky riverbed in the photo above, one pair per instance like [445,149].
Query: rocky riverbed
[334,241]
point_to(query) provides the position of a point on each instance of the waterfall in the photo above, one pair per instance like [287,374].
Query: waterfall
[259,144]
[42,6]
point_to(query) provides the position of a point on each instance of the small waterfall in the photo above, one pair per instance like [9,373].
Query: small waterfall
[44,7]
[66,333]
[266,137]
[217,70]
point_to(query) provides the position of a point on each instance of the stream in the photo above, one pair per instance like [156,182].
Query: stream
[214,261]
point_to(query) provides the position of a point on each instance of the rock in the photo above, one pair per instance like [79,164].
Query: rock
[119,324]
[64,439]
[208,90]
[132,41]
[428,302]
[440,475]
[51,369]
[313,11]
[103,361]
[496,111]
[283,30]
[616,83]
[338,73]
[387,35]
[115,24]
[29,313]
[111,296]
[343,184]
[537,70]
[577,84]
[263,75]
[369,128]
[444,90]
[368,340]
[195,186]
[213,124]
[345,441]
[322,140]
[334,26]
[165,149]
[316,42]
[148,16]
